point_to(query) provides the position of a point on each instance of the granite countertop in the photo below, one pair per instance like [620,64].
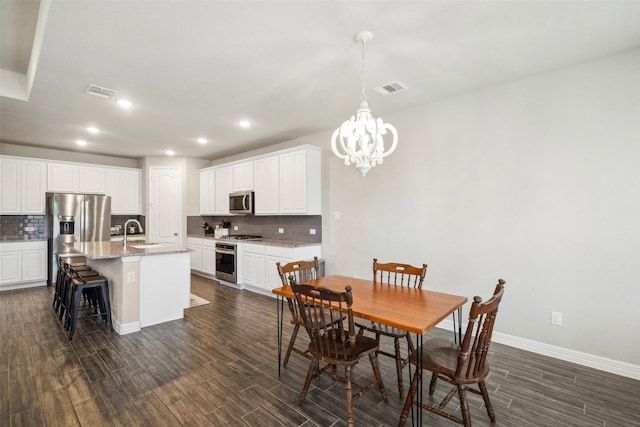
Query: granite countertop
[270,242]
[108,249]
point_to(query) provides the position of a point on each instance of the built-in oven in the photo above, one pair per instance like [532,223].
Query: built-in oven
[226,262]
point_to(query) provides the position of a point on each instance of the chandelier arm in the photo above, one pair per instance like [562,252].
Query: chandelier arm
[394,144]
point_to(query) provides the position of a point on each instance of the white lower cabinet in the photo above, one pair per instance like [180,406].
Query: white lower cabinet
[253,265]
[209,256]
[195,246]
[22,263]
[203,255]
[259,262]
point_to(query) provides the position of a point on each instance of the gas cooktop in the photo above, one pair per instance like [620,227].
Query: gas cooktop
[241,237]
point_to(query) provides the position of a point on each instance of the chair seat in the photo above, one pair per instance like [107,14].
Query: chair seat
[337,352]
[441,356]
[379,328]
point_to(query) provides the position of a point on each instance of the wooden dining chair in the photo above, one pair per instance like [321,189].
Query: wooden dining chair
[301,271]
[461,366]
[395,274]
[335,343]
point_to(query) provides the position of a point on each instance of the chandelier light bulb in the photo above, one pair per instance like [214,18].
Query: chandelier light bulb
[360,140]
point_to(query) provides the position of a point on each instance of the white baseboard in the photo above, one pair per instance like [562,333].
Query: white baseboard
[22,286]
[584,359]
[126,328]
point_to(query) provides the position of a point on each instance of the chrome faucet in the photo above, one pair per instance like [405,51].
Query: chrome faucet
[124,240]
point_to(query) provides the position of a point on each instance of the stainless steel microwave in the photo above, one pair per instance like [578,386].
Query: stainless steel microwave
[241,203]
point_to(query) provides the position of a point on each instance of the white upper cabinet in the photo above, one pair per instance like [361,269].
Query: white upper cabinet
[242,176]
[223,186]
[124,187]
[66,177]
[91,180]
[267,186]
[22,186]
[62,177]
[10,183]
[207,192]
[300,182]
[34,182]
[287,182]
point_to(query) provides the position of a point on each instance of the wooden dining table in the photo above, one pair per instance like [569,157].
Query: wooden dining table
[413,310]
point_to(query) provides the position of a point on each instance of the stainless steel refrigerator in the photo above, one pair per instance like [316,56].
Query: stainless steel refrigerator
[74,218]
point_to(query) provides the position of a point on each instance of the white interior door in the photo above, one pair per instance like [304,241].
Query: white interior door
[165,204]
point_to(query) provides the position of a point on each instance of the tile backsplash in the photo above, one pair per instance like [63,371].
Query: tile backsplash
[22,227]
[294,227]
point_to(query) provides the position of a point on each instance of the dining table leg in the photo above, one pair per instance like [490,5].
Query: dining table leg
[419,376]
[280,315]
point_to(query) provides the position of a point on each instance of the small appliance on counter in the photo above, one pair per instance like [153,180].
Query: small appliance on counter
[222,230]
[207,228]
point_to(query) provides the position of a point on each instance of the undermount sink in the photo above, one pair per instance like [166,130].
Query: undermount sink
[148,245]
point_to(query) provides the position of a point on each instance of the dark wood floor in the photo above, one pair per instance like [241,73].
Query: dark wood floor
[218,367]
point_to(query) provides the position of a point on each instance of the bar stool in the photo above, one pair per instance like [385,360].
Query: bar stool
[63,284]
[97,287]
[59,296]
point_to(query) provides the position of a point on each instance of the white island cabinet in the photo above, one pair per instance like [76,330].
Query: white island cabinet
[147,286]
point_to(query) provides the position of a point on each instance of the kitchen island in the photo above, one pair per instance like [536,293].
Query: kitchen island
[148,283]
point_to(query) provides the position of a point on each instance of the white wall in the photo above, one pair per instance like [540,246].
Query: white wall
[536,182]
[69,156]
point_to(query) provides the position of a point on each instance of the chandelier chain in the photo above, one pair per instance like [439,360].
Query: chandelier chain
[363,97]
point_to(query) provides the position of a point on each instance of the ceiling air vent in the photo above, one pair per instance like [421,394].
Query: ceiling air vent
[100,91]
[391,87]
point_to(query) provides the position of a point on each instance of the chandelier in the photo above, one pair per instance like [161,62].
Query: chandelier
[359,140]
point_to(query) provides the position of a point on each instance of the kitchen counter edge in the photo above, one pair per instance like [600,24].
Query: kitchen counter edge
[268,242]
[108,249]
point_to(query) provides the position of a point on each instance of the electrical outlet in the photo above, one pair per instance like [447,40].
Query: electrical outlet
[556,318]
[235,228]
[312,231]
[280,230]
[131,277]
[337,215]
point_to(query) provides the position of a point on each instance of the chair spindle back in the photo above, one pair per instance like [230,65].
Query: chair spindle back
[328,339]
[477,338]
[398,274]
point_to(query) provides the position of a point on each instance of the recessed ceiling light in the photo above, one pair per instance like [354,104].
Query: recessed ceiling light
[170,152]
[125,103]
[244,123]
[93,130]
[202,140]
[81,142]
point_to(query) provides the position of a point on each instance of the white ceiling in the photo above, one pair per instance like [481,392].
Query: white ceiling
[195,68]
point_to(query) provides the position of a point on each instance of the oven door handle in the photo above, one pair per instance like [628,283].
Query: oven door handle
[225,251]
